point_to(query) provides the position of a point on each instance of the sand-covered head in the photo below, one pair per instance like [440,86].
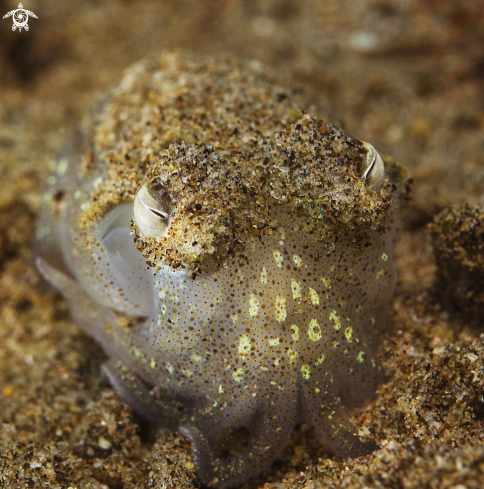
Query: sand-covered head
[224,142]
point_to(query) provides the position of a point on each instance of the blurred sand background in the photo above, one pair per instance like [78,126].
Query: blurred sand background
[406,75]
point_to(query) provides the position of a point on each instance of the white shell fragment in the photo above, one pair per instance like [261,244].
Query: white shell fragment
[373,168]
[152,210]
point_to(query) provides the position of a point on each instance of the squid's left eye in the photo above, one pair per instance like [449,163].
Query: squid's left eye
[152,209]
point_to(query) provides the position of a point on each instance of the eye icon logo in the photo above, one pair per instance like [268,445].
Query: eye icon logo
[20,18]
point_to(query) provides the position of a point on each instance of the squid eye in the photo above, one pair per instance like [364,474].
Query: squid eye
[373,168]
[153,209]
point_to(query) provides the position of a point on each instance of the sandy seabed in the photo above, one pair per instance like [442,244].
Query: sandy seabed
[408,76]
